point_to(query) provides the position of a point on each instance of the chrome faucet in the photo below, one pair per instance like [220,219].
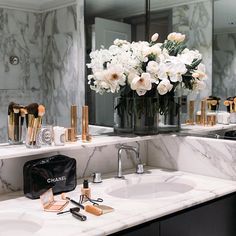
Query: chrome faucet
[139,167]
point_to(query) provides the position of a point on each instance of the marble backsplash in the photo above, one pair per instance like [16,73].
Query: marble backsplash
[210,157]
[89,160]
[224,64]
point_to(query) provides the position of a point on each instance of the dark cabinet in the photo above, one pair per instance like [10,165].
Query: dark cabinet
[214,218]
[150,228]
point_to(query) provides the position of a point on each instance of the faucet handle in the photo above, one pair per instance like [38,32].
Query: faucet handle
[140,169]
[97,177]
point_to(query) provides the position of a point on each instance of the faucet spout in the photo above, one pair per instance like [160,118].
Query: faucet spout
[139,168]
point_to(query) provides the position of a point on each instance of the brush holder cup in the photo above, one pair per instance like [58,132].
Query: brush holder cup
[32,139]
[14,128]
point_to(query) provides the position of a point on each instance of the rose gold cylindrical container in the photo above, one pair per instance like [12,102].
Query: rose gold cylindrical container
[73,118]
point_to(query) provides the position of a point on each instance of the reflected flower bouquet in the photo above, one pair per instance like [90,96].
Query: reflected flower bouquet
[144,68]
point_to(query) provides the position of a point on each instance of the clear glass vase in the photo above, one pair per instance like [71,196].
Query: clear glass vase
[170,111]
[146,115]
[123,115]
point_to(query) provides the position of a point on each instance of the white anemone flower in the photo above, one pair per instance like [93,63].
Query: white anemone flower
[141,84]
[114,77]
[187,56]
[172,69]
[164,87]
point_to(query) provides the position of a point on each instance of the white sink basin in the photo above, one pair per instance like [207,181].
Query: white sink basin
[148,187]
[19,224]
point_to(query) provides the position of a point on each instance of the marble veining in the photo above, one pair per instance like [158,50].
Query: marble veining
[60,69]
[195,21]
[205,156]
[50,50]
[98,156]
[126,213]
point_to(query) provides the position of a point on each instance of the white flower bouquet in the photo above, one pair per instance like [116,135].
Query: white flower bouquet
[146,67]
[144,70]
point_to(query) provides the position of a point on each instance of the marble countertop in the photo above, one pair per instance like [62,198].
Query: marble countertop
[128,212]
[12,151]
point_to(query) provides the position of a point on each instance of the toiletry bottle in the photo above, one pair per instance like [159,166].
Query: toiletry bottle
[85,190]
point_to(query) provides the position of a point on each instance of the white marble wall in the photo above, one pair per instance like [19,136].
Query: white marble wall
[211,157]
[224,65]
[20,35]
[195,21]
[60,64]
[89,160]
[51,70]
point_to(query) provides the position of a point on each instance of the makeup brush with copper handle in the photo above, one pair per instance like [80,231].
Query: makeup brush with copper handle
[38,122]
[32,115]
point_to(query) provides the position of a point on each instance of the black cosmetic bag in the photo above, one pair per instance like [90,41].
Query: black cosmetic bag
[57,172]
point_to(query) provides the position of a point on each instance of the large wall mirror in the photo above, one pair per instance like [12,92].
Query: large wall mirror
[48,38]
[224,49]
[107,20]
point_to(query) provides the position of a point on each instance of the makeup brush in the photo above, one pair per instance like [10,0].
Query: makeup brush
[10,120]
[75,212]
[33,109]
[88,208]
[41,112]
[37,123]
[234,104]
[32,116]
[16,122]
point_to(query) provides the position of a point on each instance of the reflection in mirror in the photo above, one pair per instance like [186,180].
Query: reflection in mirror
[193,19]
[224,49]
[46,41]
[103,24]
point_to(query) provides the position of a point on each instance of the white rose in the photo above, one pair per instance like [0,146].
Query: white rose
[164,86]
[152,67]
[155,37]
[171,36]
[178,37]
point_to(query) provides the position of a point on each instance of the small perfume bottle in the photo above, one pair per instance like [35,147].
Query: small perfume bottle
[85,190]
